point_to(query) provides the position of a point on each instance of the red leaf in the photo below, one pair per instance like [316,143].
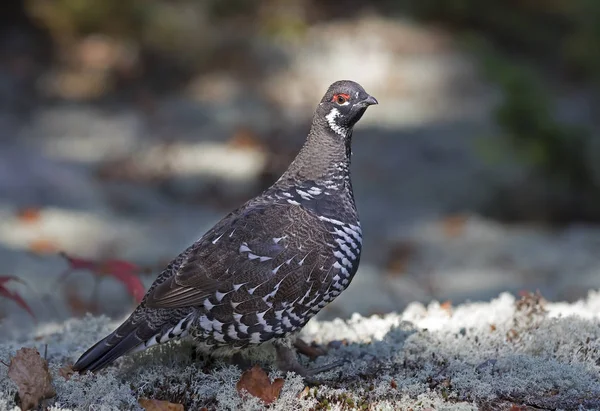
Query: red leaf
[79,263]
[12,295]
[113,266]
[125,272]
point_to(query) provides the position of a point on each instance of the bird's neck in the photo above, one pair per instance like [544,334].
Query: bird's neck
[324,158]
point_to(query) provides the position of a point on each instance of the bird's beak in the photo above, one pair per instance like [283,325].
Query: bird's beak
[369,101]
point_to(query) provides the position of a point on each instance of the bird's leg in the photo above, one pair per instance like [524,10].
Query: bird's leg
[287,361]
[310,350]
[239,361]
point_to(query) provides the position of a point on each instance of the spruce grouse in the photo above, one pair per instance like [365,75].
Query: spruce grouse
[268,267]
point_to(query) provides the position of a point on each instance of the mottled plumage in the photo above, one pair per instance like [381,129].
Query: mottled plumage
[268,267]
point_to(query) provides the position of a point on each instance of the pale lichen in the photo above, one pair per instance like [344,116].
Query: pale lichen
[446,358]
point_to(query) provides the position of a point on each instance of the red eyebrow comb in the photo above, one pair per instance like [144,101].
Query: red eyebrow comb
[344,95]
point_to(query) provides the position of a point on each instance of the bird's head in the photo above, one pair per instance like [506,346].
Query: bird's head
[343,105]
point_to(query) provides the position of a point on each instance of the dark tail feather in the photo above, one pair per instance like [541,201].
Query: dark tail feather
[127,337]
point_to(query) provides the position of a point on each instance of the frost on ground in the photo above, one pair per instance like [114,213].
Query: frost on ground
[494,355]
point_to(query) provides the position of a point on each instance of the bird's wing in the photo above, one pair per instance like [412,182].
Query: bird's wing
[261,250]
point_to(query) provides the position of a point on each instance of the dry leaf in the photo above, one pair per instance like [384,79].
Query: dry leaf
[159,405]
[244,138]
[454,225]
[66,372]
[399,257]
[256,382]
[29,215]
[78,305]
[43,246]
[512,335]
[303,393]
[447,306]
[29,371]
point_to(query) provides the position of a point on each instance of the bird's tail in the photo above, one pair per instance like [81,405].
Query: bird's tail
[136,334]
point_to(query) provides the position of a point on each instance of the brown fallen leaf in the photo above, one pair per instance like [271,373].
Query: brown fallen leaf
[29,371]
[399,256]
[79,307]
[29,215]
[159,405]
[454,225]
[447,306]
[66,372]
[244,138]
[512,335]
[42,246]
[303,393]
[256,382]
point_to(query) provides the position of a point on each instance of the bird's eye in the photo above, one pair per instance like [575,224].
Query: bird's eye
[341,98]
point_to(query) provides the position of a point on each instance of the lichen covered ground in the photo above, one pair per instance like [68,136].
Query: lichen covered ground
[489,355]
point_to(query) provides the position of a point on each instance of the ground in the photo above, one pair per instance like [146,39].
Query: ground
[509,352]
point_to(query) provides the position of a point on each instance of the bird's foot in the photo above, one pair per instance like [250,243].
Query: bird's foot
[312,351]
[288,362]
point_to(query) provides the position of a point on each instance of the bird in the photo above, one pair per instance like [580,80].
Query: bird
[264,270]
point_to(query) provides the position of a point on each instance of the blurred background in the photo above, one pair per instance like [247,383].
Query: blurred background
[129,127]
